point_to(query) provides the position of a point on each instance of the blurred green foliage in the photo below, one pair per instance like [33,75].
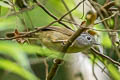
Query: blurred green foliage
[14,68]
[17,55]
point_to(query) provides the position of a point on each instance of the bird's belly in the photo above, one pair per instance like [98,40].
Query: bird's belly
[77,49]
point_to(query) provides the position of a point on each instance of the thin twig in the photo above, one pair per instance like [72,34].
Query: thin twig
[21,11]
[83,10]
[116,22]
[102,30]
[103,70]
[113,9]
[109,5]
[93,67]
[46,67]
[107,18]
[70,14]
[66,7]
[106,57]
[72,9]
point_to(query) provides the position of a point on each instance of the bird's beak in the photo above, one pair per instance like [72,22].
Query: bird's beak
[96,43]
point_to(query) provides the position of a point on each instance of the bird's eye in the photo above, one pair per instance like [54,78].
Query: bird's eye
[88,38]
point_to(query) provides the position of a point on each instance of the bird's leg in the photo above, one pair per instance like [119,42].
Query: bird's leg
[59,41]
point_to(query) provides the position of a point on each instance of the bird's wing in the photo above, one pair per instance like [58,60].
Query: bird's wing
[62,30]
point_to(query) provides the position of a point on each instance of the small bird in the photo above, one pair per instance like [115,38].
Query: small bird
[55,38]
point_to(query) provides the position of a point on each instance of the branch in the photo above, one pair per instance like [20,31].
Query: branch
[103,69]
[21,11]
[104,56]
[102,30]
[107,18]
[66,7]
[46,68]
[72,9]
[109,5]
[93,67]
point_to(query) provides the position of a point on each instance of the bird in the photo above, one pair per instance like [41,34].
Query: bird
[55,37]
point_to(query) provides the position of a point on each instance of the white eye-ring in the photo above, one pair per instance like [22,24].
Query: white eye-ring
[88,38]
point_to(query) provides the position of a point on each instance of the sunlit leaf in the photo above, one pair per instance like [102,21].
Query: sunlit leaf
[4,4]
[10,23]
[33,49]
[117,2]
[14,68]
[17,51]
[113,71]
[12,50]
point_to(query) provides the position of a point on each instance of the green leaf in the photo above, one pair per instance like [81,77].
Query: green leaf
[4,4]
[9,23]
[13,50]
[33,49]
[17,51]
[113,71]
[13,67]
